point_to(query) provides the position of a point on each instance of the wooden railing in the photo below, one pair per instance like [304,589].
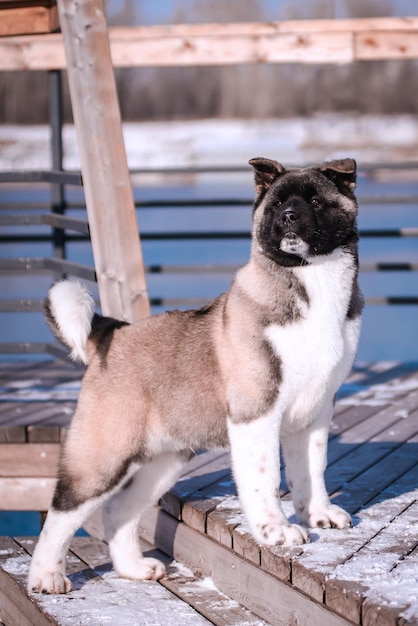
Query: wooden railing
[311,41]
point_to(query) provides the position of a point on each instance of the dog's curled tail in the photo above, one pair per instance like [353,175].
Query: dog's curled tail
[69,310]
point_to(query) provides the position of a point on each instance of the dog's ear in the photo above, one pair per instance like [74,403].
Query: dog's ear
[341,172]
[265,173]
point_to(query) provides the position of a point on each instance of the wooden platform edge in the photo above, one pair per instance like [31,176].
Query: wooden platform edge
[17,608]
[264,595]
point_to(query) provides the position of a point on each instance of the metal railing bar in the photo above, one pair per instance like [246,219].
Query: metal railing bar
[191,269]
[27,264]
[392,300]
[49,264]
[64,222]
[33,347]
[199,236]
[42,176]
[22,305]
[389,232]
[24,264]
[195,302]
[245,168]
[36,305]
[75,175]
[70,268]
[389,267]
[229,269]
[49,219]
[205,203]
[37,238]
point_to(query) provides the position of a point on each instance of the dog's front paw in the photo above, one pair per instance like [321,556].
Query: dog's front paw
[281,534]
[141,569]
[331,516]
[48,582]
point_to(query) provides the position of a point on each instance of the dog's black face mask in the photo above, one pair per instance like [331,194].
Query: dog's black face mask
[303,213]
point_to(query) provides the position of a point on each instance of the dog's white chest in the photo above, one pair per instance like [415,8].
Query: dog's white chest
[317,350]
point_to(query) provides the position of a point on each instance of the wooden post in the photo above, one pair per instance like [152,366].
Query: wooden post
[110,207]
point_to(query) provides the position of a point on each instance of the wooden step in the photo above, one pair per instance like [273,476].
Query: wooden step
[363,576]
[100,596]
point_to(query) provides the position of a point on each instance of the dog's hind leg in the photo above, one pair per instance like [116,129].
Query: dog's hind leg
[66,515]
[121,515]
[47,572]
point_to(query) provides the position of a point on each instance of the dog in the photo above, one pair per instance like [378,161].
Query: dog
[259,364]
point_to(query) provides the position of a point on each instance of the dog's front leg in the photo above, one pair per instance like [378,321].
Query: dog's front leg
[305,453]
[256,466]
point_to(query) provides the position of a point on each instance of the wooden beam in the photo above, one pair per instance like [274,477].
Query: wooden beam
[269,598]
[110,207]
[373,46]
[26,494]
[18,18]
[304,41]
[29,459]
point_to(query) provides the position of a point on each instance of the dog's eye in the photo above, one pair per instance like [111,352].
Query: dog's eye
[315,201]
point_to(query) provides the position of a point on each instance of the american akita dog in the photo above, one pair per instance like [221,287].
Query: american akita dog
[260,363]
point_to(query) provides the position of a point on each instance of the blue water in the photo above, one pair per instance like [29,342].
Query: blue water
[389,332]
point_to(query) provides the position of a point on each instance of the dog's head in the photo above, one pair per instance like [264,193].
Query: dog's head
[300,213]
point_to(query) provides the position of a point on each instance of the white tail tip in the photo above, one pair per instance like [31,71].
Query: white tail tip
[72,308]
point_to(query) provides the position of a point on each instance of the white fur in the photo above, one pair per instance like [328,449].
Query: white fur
[73,307]
[295,246]
[256,465]
[47,571]
[317,353]
[121,516]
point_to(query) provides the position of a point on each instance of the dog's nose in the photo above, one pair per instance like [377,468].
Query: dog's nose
[288,217]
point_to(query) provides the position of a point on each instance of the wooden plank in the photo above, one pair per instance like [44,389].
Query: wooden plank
[302,41]
[353,579]
[330,549]
[30,459]
[26,494]
[200,594]
[364,487]
[277,561]
[110,207]
[306,47]
[350,460]
[375,613]
[386,45]
[39,413]
[209,470]
[264,595]
[28,20]
[352,416]
[373,420]
[44,434]
[12,434]
[245,545]
[267,28]
[100,595]
[16,607]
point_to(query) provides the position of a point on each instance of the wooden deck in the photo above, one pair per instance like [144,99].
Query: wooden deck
[366,575]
